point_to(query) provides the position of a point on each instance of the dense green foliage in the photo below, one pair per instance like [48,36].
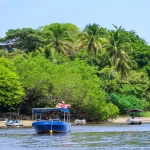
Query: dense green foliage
[11,91]
[127,102]
[101,73]
[25,39]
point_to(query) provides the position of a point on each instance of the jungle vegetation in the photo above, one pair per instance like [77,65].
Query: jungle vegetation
[102,73]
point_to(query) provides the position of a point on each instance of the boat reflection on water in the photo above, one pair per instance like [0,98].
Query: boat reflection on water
[54,134]
[89,137]
[62,139]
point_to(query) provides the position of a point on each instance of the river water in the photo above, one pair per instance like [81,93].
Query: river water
[89,137]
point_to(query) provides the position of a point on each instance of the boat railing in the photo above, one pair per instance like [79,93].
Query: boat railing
[39,117]
[55,114]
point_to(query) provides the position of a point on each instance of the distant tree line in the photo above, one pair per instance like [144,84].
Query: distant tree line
[102,73]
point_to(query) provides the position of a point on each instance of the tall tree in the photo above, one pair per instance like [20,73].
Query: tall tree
[141,53]
[25,39]
[57,37]
[11,90]
[91,39]
[117,47]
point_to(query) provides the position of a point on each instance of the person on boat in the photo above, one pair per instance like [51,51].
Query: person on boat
[133,117]
[44,117]
[57,118]
[16,121]
[5,119]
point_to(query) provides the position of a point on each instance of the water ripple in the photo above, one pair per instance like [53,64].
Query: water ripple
[90,137]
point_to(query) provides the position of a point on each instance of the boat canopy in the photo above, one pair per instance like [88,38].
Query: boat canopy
[42,110]
[135,110]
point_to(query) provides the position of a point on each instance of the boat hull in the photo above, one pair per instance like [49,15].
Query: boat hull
[47,126]
[13,124]
[80,122]
[134,122]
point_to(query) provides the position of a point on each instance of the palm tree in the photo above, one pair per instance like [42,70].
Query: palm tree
[58,38]
[118,44]
[48,52]
[91,39]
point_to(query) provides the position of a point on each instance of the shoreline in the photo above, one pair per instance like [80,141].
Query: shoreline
[123,119]
[28,123]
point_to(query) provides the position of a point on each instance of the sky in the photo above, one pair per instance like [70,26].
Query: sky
[130,14]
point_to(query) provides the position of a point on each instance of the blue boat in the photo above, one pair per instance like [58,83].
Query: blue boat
[48,120]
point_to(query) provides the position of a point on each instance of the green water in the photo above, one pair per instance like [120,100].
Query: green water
[89,137]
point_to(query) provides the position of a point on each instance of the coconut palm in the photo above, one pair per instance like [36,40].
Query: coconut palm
[91,39]
[58,38]
[117,47]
